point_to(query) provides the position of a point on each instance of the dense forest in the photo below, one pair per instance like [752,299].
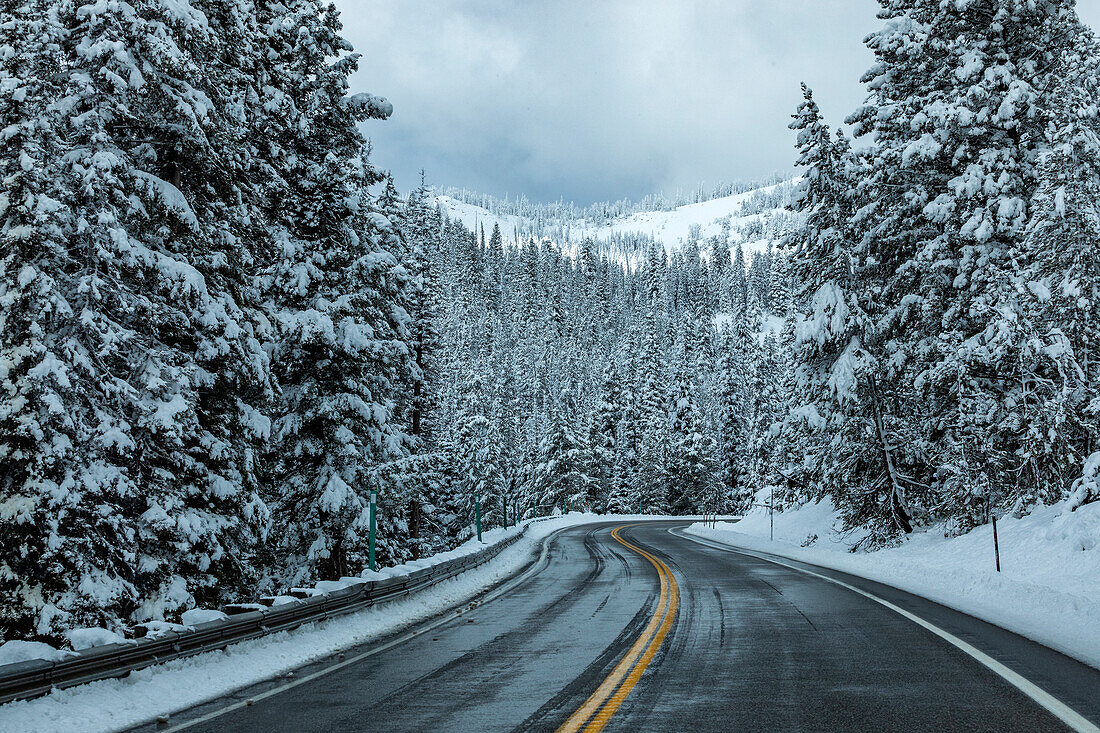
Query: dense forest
[223,327]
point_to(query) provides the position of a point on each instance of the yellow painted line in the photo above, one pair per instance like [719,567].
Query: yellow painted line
[614,689]
[592,704]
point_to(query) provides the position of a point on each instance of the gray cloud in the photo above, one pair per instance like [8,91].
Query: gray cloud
[599,100]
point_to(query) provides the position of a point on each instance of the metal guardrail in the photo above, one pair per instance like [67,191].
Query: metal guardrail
[37,677]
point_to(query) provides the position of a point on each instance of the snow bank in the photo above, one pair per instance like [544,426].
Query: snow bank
[153,629]
[184,683]
[13,652]
[1048,588]
[88,638]
[201,616]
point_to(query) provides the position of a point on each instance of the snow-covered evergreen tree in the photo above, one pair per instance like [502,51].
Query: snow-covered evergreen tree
[835,399]
[563,473]
[336,293]
[133,370]
[478,463]
[692,471]
[1043,341]
[603,437]
[956,115]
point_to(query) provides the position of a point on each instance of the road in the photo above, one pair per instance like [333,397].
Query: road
[640,628]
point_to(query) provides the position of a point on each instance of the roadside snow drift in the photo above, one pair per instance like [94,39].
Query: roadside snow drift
[1048,589]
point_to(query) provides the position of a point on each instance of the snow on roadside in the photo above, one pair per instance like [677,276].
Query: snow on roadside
[13,652]
[88,638]
[1048,589]
[183,683]
[21,651]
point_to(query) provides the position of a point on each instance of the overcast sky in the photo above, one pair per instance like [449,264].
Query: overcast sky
[588,101]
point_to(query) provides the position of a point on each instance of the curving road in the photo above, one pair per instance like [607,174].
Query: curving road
[640,628]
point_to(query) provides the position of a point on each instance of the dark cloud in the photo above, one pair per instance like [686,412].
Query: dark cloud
[601,100]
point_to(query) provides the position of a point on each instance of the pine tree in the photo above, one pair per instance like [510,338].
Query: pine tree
[422,233]
[738,280]
[603,439]
[1044,341]
[563,474]
[131,345]
[691,468]
[834,401]
[477,458]
[947,192]
[337,293]
[732,414]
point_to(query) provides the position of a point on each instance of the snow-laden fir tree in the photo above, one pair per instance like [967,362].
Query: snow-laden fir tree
[132,365]
[731,407]
[336,294]
[692,471]
[563,473]
[603,438]
[478,465]
[1044,341]
[956,116]
[833,416]
[422,227]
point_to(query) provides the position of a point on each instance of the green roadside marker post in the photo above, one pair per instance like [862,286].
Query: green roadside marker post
[477,516]
[373,527]
[504,508]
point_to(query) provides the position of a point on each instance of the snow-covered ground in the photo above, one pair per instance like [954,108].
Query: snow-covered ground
[671,228]
[1048,588]
[180,684]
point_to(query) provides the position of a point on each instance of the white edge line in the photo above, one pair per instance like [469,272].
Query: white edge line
[1053,705]
[419,630]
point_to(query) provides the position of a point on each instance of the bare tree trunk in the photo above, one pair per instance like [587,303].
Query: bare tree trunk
[416,429]
[898,508]
[414,527]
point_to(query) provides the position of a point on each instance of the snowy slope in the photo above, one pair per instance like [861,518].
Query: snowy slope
[1048,588]
[671,228]
[473,217]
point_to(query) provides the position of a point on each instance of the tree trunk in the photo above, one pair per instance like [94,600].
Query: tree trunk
[414,528]
[898,509]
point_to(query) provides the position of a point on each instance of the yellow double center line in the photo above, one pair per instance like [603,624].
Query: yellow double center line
[598,709]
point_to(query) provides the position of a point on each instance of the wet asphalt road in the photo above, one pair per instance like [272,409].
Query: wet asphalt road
[755,646]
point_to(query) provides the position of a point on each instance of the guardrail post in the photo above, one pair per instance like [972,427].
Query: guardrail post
[373,525]
[477,516]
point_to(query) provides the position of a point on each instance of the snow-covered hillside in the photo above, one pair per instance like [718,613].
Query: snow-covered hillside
[674,227]
[475,217]
[748,224]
